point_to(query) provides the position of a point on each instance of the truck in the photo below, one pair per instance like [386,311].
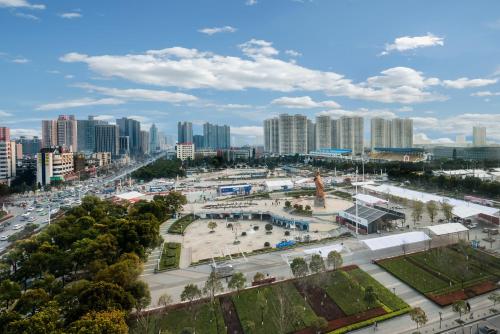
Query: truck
[222,271]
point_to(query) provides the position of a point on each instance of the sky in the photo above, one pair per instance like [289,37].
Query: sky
[238,62]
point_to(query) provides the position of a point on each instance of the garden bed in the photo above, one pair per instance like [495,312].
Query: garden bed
[170,256]
[321,304]
[180,225]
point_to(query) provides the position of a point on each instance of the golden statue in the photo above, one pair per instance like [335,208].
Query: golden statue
[319,201]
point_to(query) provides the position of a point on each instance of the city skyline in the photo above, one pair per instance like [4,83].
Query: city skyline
[411,66]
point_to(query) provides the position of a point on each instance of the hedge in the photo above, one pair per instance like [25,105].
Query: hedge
[370,321]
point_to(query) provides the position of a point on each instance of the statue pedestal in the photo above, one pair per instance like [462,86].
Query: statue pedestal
[319,202]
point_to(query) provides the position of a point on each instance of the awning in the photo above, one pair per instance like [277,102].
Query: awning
[449,228]
[323,251]
[369,199]
[395,240]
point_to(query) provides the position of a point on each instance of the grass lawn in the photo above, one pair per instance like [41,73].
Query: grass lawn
[418,278]
[180,224]
[248,309]
[347,293]
[170,256]
[385,296]
[201,317]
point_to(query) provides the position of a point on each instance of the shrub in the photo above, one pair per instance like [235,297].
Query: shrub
[267,244]
[255,228]
[287,233]
[243,233]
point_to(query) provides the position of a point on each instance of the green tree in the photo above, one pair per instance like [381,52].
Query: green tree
[494,297]
[459,307]
[44,321]
[104,322]
[288,204]
[417,210]
[447,211]
[317,264]
[190,293]
[269,228]
[432,209]
[258,276]
[334,260]
[212,286]
[164,300]
[248,326]
[418,316]
[9,291]
[212,226]
[318,324]
[299,267]
[237,282]
[31,301]
[370,295]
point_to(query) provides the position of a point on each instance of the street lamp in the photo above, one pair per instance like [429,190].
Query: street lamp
[440,319]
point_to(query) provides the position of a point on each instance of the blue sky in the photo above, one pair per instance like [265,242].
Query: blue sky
[240,61]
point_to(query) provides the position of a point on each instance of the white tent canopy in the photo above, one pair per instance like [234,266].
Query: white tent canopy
[323,251]
[130,195]
[443,229]
[369,199]
[395,240]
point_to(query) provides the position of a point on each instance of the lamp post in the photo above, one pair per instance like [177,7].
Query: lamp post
[440,319]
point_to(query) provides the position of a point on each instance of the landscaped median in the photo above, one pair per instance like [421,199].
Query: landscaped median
[180,225]
[170,256]
[446,274]
[327,302]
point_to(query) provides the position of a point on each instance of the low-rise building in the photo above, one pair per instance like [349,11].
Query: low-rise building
[185,151]
[54,164]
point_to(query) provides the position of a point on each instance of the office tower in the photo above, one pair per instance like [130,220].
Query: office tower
[7,155]
[144,148]
[86,133]
[124,146]
[154,145]
[216,136]
[380,132]
[198,141]
[323,131]
[184,132]
[479,136]
[30,147]
[311,136]
[292,134]
[67,132]
[271,135]
[49,133]
[402,133]
[351,134]
[107,138]
[335,133]
[131,128]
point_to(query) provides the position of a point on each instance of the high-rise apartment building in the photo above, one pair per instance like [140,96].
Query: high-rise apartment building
[335,133]
[123,146]
[107,138]
[311,136]
[131,128]
[271,135]
[184,132]
[402,133]
[292,134]
[216,136]
[154,143]
[67,132]
[7,156]
[198,141]
[30,146]
[479,136]
[351,134]
[86,133]
[380,132]
[49,133]
[144,148]
[323,131]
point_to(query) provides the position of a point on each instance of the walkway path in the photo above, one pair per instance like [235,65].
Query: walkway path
[149,266]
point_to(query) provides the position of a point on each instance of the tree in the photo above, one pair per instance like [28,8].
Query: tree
[212,226]
[261,303]
[418,316]
[46,320]
[258,276]
[112,321]
[299,267]
[370,295]
[494,298]
[334,260]
[268,228]
[164,300]
[317,264]
[248,326]
[190,293]
[432,209]
[459,307]
[417,209]
[447,210]
[237,282]
[9,291]
[288,204]
[31,301]
[212,286]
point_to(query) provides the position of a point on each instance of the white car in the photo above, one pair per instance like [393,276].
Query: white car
[18,227]
[39,210]
[473,225]
[4,237]
[30,208]
[32,219]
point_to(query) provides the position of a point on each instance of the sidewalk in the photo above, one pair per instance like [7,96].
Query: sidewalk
[149,266]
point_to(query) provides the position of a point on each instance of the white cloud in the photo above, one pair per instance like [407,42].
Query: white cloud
[405,109]
[293,53]
[422,138]
[140,94]
[361,112]
[70,15]
[217,30]
[85,102]
[464,82]
[4,113]
[406,43]
[27,16]
[192,69]
[25,132]
[303,102]
[20,4]
[247,130]
[104,117]
[485,93]
[20,60]
[250,2]
[258,48]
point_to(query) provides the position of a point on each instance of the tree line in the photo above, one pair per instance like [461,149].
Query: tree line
[80,274]
[160,168]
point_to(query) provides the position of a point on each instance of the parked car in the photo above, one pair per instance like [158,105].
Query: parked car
[485,329]
[4,237]
[18,227]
